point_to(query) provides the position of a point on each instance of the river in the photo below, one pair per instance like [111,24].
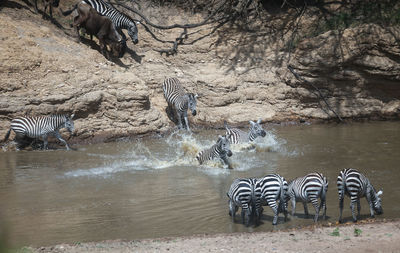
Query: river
[154,187]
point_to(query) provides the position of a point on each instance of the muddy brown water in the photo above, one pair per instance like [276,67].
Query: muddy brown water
[155,188]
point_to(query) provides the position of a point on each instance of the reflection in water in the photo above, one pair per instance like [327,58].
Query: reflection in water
[155,187]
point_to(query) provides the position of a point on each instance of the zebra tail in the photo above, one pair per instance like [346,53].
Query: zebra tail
[225,124]
[68,12]
[324,187]
[7,135]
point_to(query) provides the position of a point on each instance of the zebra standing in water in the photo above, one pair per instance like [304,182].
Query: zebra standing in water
[179,100]
[219,150]
[41,127]
[243,193]
[273,188]
[239,136]
[308,189]
[356,185]
[120,20]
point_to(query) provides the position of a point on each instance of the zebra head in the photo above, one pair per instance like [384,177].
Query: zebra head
[192,103]
[224,145]
[133,33]
[256,129]
[377,201]
[69,124]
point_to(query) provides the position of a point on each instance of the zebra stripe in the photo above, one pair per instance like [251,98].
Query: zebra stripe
[41,127]
[179,100]
[120,20]
[308,189]
[355,185]
[239,136]
[273,188]
[219,150]
[242,193]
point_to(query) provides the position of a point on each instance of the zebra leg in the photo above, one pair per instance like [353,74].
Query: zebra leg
[293,205]
[58,136]
[226,161]
[305,208]
[340,208]
[352,206]
[314,202]
[45,142]
[275,210]
[179,119]
[371,205]
[186,122]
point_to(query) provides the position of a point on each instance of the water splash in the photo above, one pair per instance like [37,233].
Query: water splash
[180,149]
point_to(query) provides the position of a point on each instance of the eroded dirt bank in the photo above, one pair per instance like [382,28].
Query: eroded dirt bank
[364,237]
[239,76]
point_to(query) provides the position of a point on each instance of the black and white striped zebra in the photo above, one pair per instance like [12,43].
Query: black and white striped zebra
[242,193]
[120,20]
[355,185]
[179,101]
[239,136]
[273,188]
[307,189]
[220,150]
[41,127]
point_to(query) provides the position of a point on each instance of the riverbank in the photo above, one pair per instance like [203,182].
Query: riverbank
[365,236]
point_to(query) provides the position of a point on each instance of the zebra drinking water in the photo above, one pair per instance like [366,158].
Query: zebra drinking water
[238,136]
[308,189]
[219,150]
[355,185]
[243,193]
[273,188]
[179,101]
[41,127]
[120,20]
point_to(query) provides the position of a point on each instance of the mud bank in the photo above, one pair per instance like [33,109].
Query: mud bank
[367,236]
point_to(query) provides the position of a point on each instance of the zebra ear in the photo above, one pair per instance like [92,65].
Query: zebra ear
[252,123]
[196,96]
[72,116]
[379,193]
[259,121]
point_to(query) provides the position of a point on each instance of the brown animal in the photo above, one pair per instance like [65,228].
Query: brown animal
[99,26]
[48,3]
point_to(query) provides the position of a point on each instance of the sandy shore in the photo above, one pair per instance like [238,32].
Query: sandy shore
[380,236]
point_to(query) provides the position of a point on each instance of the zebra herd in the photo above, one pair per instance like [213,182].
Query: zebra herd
[273,190]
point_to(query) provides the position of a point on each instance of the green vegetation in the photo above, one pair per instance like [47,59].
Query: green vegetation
[335,232]
[357,232]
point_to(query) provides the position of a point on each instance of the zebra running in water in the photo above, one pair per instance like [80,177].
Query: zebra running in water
[41,127]
[308,189]
[179,100]
[242,193]
[120,20]
[219,150]
[355,185]
[238,136]
[273,188]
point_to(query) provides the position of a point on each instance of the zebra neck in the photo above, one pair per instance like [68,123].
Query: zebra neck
[251,136]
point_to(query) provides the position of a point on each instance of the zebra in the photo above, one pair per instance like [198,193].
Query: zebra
[36,127]
[179,100]
[120,20]
[243,193]
[219,150]
[355,185]
[308,189]
[238,136]
[273,188]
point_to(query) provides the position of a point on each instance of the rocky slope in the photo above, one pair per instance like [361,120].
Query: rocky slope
[239,77]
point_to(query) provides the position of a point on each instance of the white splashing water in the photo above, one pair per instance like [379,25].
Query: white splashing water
[180,149]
